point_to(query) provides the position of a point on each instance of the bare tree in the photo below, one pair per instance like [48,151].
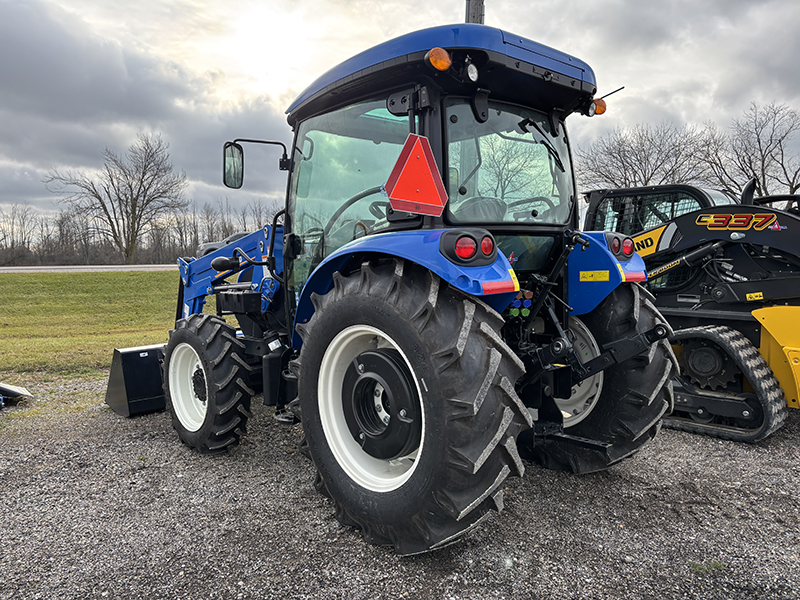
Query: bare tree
[129,193]
[642,155]
[757,145]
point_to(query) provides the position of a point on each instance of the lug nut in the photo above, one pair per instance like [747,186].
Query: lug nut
[386,420]
[746,414]
[402,412]
[360,368]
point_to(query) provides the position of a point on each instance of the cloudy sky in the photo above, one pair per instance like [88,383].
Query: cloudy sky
[77,76]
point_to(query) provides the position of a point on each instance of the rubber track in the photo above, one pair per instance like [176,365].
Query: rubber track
[755,369]
[482,420]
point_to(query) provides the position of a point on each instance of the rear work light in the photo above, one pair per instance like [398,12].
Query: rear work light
[487,245]
[627,246]
[466,247]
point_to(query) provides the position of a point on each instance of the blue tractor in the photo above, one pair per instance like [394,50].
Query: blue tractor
[424,304]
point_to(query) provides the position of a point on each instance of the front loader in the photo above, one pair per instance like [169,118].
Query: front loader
[424,303]
[725,271]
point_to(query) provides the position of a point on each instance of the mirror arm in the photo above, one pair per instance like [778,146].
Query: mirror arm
[284,164]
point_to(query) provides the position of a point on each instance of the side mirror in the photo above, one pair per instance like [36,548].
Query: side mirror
[232,165]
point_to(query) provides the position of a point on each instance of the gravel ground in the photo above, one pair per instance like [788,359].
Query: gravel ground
[95,505]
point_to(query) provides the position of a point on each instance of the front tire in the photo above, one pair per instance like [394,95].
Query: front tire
[408,403]
[205,383]
[630,398]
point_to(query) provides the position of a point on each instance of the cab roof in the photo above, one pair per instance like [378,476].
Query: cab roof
[511,51]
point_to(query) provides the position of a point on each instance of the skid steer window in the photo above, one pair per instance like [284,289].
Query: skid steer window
[508,169]
[341,160]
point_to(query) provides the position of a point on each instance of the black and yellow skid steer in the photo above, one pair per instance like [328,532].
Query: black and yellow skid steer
[725,272]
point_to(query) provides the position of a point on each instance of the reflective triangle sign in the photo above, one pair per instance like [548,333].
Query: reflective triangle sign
[415,184]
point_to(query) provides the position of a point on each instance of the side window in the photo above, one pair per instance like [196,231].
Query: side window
[341,161]
[631,214]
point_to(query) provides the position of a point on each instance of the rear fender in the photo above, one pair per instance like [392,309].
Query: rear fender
[496,284]
[198,278]
[594,272]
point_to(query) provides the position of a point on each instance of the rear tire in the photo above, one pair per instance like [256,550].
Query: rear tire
[633,397]
[205,383]
[408,403]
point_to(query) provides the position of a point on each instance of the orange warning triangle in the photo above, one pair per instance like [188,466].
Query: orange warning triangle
[415,184]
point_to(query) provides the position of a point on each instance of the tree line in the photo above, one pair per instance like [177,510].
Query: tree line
[73,237]
[133,209]
[761,144]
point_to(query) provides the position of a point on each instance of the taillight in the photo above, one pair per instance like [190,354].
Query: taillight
[466,247]
[627,246]
[615,245]
[487,245]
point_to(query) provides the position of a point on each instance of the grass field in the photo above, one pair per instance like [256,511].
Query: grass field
[71,322]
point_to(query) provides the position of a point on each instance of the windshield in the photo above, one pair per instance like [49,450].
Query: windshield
[341,162]
[508,169]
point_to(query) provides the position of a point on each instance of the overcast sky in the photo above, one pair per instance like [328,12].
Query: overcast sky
[80,75]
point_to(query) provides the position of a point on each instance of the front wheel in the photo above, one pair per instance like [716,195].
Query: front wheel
[408,403]
[620,409]
[205,383]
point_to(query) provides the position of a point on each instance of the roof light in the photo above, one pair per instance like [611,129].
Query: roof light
[598,107]
[439,59]
[466,247]
[472,72]
[627,246]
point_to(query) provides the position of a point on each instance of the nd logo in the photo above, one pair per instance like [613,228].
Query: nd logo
[644,244]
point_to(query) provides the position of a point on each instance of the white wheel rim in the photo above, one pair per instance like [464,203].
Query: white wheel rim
[377,475]
[585,394]
[190,410]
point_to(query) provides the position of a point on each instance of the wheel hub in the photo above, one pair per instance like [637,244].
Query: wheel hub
[380,405]
[199,384]
[707,365]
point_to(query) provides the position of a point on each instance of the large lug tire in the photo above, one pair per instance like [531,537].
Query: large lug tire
[624,407]
[408,403]
[205,382]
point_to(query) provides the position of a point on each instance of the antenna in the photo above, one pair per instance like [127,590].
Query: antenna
[475,11]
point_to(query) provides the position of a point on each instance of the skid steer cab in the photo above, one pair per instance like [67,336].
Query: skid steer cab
[725,271]
[424,303]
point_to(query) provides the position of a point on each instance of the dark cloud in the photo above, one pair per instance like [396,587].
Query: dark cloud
[67,94]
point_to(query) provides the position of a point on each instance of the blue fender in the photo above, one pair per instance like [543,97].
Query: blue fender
[594,272]
[496,284]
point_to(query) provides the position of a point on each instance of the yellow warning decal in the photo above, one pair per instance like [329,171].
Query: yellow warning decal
[647,243]
[755,296]
[594,276]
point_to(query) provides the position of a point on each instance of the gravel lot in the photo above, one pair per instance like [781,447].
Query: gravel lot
[95,505]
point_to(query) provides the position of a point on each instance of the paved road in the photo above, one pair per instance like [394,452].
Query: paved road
[88,268]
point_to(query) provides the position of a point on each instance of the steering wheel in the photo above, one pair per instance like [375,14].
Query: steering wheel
[379,209]
[347,204]
[533,199]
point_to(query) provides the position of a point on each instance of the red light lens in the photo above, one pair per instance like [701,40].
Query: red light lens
[487,245]
[627,246]
[466,247]
[615,245]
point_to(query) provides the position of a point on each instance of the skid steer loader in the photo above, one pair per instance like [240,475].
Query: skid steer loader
[725,272]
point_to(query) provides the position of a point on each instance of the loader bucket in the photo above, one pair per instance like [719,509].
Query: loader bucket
[134,384]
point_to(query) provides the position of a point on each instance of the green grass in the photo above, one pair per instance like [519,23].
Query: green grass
[71,322]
